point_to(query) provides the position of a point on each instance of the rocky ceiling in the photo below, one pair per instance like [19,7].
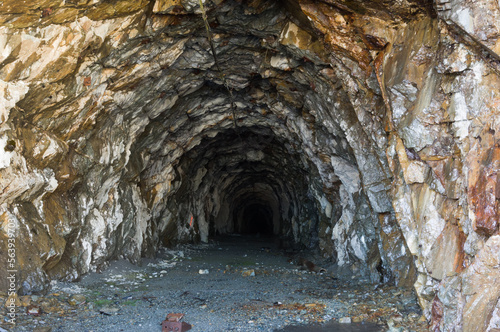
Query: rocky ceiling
[368,130]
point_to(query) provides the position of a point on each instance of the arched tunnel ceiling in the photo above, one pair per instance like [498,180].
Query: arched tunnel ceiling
[244,121]
[365,129]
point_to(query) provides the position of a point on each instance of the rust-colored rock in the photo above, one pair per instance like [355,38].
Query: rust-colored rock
[437,315]
[484,199]
[339,33]
[47,11]
[87,81]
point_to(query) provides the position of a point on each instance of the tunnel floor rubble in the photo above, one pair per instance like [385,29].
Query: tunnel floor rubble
[236,283]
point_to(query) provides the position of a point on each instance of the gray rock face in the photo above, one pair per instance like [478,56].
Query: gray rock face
[369,132]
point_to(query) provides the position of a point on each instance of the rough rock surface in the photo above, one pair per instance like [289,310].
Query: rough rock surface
[367,130]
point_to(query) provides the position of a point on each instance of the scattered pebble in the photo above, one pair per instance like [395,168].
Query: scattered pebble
[76,299]
[109,310]
[248,273]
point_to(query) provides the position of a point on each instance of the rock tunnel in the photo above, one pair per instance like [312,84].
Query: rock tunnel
[367,130]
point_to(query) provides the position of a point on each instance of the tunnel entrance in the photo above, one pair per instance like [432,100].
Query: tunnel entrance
[263,151]
[365,130]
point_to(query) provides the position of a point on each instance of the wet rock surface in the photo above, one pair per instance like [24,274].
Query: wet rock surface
[279,296]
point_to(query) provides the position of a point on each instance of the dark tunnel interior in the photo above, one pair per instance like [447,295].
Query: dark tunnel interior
[257,219]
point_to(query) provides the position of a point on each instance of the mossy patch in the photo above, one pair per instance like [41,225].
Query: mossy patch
[102,302]
[130,302]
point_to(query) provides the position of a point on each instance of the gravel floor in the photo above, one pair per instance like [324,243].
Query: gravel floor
[234,284]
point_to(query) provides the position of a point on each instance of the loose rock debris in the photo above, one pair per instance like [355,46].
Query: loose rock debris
[247,289]
[173,323]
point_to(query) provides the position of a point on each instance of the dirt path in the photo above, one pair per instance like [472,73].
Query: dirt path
[234,284]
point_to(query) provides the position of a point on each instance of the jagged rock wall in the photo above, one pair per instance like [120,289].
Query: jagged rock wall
[369,131]
[115,133]
[442,154]
[438,80]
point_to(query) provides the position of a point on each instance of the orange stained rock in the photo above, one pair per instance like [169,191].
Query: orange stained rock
[485,194]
